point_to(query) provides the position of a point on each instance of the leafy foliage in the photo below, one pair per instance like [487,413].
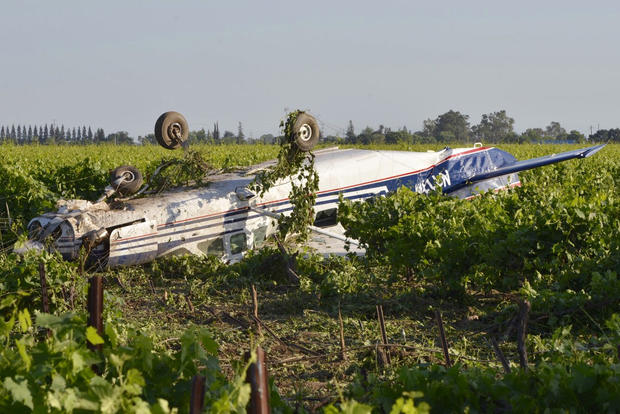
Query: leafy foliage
[569,376]
[563,387]
[555,238]
[20,283]
[56,372]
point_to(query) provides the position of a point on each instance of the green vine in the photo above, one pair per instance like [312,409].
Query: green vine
[299,166]
[175,171]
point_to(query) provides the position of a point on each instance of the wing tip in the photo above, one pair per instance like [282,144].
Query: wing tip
[593,150]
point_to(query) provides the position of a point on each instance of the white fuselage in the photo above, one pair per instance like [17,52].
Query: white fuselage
[215,220]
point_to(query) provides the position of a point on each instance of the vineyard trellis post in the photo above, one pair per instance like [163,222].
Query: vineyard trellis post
[255,310]
[524,311]
[343,350]
[45,305]
[500,355]
[442,337]
[198,394]
[384,340]
[95,307]
[258,379]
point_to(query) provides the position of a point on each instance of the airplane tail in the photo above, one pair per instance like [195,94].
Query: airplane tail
[526,165]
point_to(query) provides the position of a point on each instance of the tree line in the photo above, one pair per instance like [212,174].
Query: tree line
[54,134]
[215,137]
[453,126]
[449,127]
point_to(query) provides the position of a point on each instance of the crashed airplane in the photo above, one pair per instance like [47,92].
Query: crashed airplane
[225,218]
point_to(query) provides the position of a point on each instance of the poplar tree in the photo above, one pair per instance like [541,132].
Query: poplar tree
[216,133]
[99,135]
[240,134]
[350,134]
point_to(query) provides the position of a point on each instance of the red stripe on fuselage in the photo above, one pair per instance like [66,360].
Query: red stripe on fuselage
[132,238]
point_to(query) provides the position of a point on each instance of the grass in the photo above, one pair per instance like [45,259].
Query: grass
[304,352]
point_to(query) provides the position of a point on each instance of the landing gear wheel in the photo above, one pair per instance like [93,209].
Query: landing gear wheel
[132,180]
[171,130]
[305,132]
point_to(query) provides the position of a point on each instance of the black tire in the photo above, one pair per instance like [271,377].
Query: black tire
[171,130]
[306,132]
[132,179]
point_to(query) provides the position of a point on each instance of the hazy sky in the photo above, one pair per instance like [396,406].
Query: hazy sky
[119,64]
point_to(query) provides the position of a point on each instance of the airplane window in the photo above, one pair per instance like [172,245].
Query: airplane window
[326,218]
[238,243]
[213,247]
[259,236]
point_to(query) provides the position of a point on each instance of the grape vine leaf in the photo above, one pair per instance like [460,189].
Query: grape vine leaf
[93,337]
[19,391]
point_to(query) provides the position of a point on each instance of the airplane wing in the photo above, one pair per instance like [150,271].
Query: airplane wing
[527,165]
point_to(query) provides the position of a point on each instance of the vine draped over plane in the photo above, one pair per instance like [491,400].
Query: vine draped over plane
[294,163]
[175,171]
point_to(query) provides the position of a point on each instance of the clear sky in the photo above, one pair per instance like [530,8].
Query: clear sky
[119,64]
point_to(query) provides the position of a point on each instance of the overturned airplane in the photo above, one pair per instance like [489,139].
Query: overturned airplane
[225,218]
